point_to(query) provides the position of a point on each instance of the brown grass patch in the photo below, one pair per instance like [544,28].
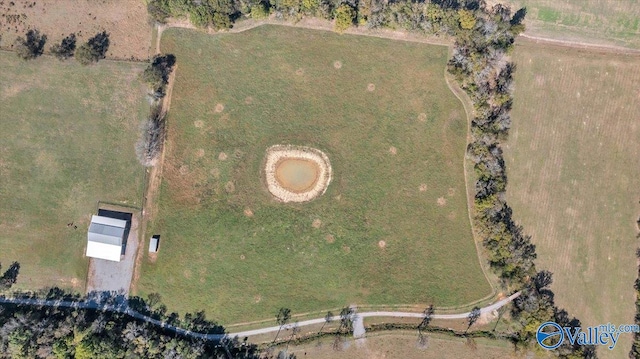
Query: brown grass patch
[187,273]
[442,201]
[422,117]
[215,172]
[257,298]
[198,124]
[451,191]
[248,212]
[230,187]
[124,20]
[423,187]
[317,223]
[299,72]
[222,156]
[337,64]
[242,257]
[200,152]
[346,249]
[330,238]
[393,150]
[248,100]
[219,108]
[382,244]
[371,87]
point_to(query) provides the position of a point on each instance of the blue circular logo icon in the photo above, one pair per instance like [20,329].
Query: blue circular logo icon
[547,333]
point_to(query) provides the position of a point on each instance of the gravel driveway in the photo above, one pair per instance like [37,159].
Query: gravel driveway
[107,275]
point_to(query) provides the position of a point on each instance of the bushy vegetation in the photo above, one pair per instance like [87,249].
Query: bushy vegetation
[31,46]
[93,50]
[65,48]
[156,75]
[635,347]
[151,139]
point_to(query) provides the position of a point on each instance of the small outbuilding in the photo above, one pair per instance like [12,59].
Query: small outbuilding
[154,242]
[105,238]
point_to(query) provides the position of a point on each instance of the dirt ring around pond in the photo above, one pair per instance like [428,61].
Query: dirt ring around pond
[296,173]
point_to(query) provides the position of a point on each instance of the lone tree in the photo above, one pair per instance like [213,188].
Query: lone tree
[345,319]
[282,318]
[64,49]
[94,49]
[428,315]
[328,318]
[32,46]
[156,75]
[151,139]
[10,276]
[473,317]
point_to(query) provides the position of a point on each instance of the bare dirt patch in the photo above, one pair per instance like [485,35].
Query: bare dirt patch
[422,117]
[200,152]
[198,124]
[451,192]
[222,156]
[382,244]
[257,298]
[393,150]
[442,201]
[295,173]
[337,64]
[299,72]
[219,108]
[330,238]
[423,187]
[371,87]
[346,249]
[317,223]
[242,257]
[248,212]
[248,100]
[124,20]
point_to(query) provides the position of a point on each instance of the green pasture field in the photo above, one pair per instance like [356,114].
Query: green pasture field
[573,163]
[67,136]
[612,22]
[396,150]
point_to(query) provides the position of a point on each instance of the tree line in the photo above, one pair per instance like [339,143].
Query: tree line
[32,45]
[481,65]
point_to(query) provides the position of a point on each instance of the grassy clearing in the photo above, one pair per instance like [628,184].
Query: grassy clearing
[67,141]
[280,85]
[595,21]
[574,173]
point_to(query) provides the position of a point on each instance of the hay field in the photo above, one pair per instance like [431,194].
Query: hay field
[612,22]
[392,227]
[67,141]
[573,160]
[405,345]
[125,21]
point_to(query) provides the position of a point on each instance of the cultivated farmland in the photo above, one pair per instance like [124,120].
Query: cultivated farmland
[67,141]
[573,161]
[392,227]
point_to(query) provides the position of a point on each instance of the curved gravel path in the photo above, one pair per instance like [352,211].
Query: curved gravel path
[125,309]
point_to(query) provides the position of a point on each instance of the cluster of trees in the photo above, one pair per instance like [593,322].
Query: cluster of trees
[481,65]
[433,17]
[33,331]
[32,46]
[152,135]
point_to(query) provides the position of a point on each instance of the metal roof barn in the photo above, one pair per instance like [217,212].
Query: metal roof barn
[105,237]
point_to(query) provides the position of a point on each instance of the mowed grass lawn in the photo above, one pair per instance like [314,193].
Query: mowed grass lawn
[67,136]
[229,248]
[573,160]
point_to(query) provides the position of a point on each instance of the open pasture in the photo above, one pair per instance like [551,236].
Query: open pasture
[573,160]
[392,226]
[66,141]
